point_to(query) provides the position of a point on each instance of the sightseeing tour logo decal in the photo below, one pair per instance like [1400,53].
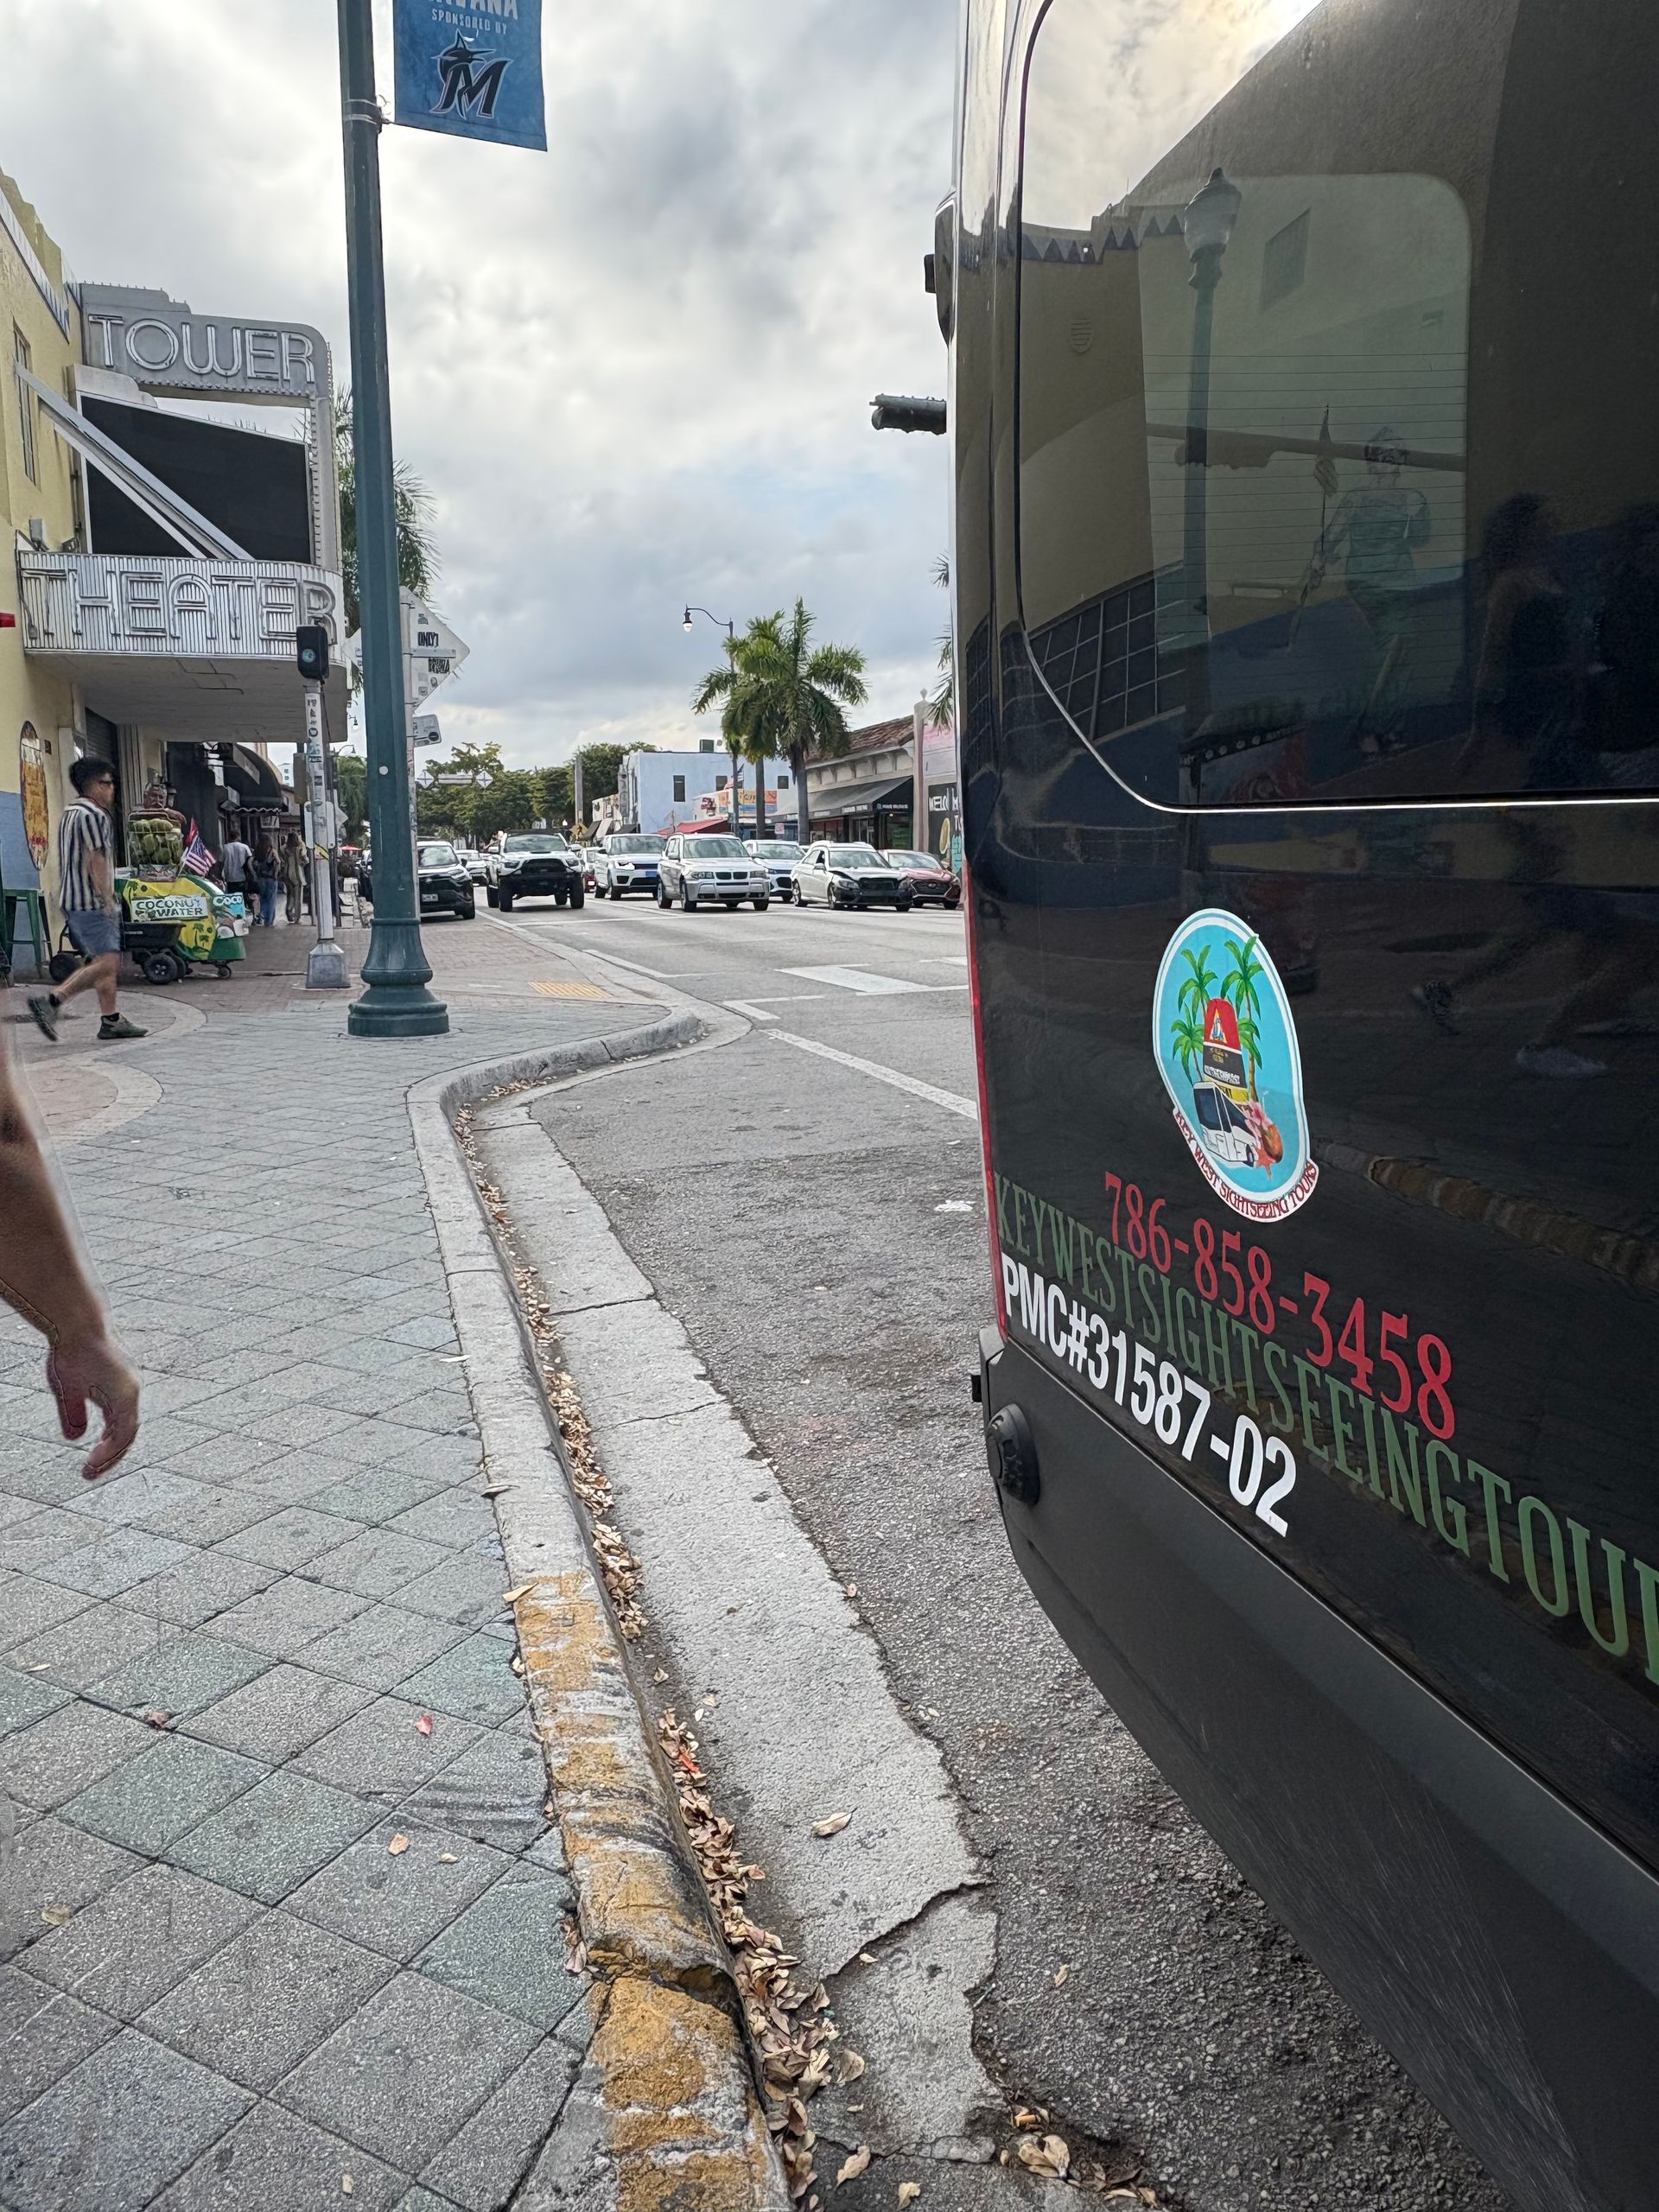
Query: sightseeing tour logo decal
[1226,1043]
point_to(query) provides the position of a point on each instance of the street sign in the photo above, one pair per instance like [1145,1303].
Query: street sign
[426,731]
[432,651]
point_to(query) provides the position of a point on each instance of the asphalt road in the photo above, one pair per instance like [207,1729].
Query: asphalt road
[819,1227]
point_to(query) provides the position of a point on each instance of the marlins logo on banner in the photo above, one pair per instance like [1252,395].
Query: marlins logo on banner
[471,67]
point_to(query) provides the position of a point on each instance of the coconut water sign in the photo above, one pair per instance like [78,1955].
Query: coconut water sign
[1225,1043]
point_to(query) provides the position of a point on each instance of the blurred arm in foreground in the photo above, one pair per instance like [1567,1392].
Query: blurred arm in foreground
[43,1276]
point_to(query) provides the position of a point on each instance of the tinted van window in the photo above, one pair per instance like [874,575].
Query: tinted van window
[1338,479]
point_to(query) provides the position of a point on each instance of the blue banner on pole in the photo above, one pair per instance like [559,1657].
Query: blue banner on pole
[471,67]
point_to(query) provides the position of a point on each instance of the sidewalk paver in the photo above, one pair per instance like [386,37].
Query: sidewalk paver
[280,1904]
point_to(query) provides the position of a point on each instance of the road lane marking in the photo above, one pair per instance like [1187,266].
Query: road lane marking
[951,1100]
[756,1009]
[854,979]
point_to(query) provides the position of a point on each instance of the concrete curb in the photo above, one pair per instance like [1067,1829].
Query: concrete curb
[666,2116]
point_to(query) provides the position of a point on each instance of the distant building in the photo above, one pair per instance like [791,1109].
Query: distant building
[660,792]
[164,557]
[869,794]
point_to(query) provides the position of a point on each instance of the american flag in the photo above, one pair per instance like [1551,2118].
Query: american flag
[197,858]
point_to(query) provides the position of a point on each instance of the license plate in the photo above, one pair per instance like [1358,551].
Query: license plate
[429,898]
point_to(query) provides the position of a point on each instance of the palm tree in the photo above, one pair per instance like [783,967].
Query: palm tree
[1198,987]
[785,696]
[1188,1031]
[418,552]
[1239,985]
[942,706]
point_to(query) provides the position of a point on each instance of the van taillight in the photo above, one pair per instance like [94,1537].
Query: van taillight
[984,1115]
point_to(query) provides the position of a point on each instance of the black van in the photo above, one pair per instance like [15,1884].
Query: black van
[1306,433]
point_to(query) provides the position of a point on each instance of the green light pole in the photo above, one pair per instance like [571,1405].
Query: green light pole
[397,1003]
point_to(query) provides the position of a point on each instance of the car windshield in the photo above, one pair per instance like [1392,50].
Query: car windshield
[714,848]
[774,848]
[636,845]
[551,844]
[438,856]
[912,859]
[855,857]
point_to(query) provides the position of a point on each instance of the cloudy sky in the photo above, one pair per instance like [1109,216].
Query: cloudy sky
[633,371]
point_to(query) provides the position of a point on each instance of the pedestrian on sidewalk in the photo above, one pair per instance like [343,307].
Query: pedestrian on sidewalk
[44,1278]
[236,860]
[293,875]
[91,913]
[266,873]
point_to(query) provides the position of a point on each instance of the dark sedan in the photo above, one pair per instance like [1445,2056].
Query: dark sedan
[446,888]
[931,883]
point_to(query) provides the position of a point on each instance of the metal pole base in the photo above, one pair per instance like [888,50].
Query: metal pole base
[397,1003]
[325,968]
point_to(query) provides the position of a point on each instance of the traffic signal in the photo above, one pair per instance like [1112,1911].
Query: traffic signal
[311,652]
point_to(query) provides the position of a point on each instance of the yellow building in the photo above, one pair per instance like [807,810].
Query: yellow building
[40,500]
[165,551]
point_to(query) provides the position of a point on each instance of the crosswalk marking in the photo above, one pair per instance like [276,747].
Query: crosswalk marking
[856,979]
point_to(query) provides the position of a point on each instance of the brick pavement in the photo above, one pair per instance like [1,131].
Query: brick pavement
[225,1982]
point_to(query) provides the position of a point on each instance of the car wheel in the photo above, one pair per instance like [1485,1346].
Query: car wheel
[614,893]
[662,899]
[904,905]
[468,912]
[578,895]
[688,904]
[492,896]
[762,904]
[504,900]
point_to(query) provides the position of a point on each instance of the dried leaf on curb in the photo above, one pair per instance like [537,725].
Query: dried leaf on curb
[55,1914]
[1045,2154]
[423,1725]
[867,1958]
[852,2167]
[348,2186]
[397,1847]
[498,1489]
[517,1664]
[447,1859]
[909,2192]
[523,1590]
[1060,1979]
[661,1674]
[832,1826]
[850,2068]
[159,1720]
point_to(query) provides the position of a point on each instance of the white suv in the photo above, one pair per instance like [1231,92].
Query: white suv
[622,863]
[696,870]
[777,856]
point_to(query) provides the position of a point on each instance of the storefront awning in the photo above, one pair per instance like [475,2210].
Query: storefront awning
[860,799]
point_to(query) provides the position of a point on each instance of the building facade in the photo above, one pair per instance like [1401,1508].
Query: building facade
[660,792]
[895,788]
[165,551]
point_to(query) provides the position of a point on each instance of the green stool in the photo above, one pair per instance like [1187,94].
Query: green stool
[34,913]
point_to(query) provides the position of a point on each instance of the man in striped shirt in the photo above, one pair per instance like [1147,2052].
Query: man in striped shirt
[92,913]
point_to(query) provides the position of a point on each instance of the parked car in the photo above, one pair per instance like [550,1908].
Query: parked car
[777,856]
[538,864]
[626,862]
[476,866]
[446,888]
[932,884]
[849,875]
[695,869]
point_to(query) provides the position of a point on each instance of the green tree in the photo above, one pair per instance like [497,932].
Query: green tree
[351,782]
[511,804]
[783,696]
[941,706]
[418,555]
[555,795]
[600,766]
[1239,985]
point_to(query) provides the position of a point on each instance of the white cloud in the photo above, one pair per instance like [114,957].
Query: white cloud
[634,370]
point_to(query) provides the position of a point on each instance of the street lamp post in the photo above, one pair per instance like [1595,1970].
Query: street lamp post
[730,628]
[1207,224]
[397,1003]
